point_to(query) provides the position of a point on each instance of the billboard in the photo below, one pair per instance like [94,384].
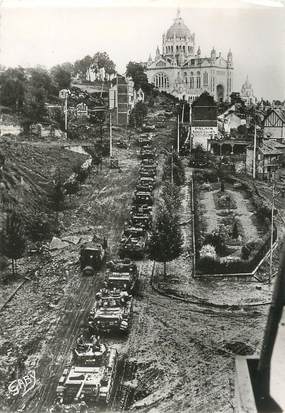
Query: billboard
[202,134]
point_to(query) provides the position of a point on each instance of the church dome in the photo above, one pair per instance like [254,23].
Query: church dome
[178,29]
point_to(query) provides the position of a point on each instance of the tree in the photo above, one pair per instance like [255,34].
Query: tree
[34,109]
[14,243]
[81,66]
[174,166]
[136,72]
[102,60]
[12,87]
[39,226]
[235,232]
[171,196]
[61,77]
[57,195]
[166,239]
[139,112]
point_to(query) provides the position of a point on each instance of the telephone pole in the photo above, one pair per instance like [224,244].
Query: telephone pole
[178,134]
[111,137]
[272,229]
[254,153]
[172,165]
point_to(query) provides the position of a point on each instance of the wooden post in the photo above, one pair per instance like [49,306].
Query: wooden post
[111,137]
[272,230]
[254,154]
[271,329]
[178,137]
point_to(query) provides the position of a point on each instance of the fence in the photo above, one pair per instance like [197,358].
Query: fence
[242,267]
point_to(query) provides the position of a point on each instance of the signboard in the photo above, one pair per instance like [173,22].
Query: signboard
[202,134]
[63,93]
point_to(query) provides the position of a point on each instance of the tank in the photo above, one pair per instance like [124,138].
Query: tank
[122,273]
[111,314]
[93,383]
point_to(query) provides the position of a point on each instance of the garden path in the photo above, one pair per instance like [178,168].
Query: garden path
[209,213]
[250,230]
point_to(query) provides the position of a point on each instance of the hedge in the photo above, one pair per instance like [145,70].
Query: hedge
[214,266]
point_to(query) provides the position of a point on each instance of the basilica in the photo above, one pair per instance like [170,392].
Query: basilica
[180,69]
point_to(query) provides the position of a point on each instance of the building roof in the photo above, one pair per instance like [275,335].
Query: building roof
[178,29]
[272,147]
[278,111]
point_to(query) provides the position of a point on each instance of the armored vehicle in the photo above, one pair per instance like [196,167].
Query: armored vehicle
[122,274]
[133,243]
[144,139]
[141,209]
[143,198]
[111,314]
[148,128]
[147,172]
[92,256]
[95,383]
[141,220]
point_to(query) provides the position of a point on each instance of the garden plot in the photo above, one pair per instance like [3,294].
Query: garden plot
[231,226]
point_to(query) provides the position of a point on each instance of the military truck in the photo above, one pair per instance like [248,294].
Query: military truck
[92,257]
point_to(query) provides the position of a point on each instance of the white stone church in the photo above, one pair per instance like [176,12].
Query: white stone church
[180,69]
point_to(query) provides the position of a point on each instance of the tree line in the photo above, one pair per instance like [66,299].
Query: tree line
[25,91]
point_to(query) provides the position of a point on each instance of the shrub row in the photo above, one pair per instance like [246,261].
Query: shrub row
[214,266]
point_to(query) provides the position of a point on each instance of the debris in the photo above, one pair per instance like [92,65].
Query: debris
[57,243]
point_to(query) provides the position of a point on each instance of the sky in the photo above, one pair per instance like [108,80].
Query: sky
[35,32]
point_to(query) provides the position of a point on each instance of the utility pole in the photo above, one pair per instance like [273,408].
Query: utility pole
[182,118]
[254,153]
[272,230]
[63,94]
[172,165]
[178,134]
[111,147]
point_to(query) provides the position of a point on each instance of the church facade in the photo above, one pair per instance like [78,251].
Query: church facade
[180,69]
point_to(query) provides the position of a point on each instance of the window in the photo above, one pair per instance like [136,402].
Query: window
[161,81]
[191,81]
[198,82]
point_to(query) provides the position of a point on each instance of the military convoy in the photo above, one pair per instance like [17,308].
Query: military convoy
[91,376]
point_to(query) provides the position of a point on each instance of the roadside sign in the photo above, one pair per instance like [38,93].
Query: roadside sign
[63,93]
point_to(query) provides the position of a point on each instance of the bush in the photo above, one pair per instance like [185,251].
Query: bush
[208,251]
[39,227]
[224,200]
[81,174]
[217,239]
[171,196]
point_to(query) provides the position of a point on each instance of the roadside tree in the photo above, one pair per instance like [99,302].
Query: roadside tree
[166,238]
[13,242]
